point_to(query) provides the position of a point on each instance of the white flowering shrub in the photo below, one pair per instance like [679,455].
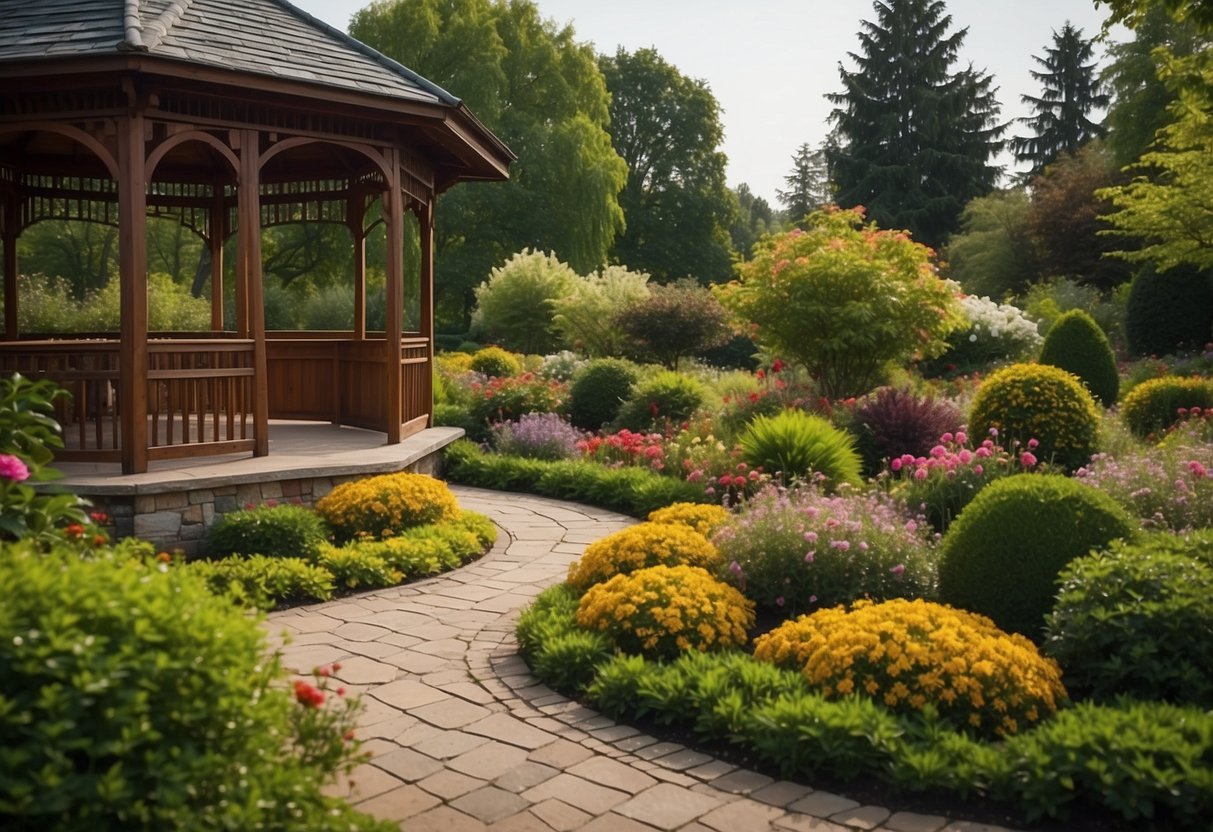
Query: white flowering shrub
[997,332]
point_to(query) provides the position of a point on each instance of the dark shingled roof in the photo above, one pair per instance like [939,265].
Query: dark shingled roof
[267,37]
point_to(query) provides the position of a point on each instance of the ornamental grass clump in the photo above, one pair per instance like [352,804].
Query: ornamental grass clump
[798,550]
[537,436]
[386,505]
[796,445]
[638,547]
[704,518]
[663,611]
[911,654]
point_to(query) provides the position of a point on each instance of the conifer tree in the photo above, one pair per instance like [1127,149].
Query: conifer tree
[808,183]
[916,138]
[1071,92]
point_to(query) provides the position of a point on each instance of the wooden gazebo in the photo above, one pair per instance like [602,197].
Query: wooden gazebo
[230,117]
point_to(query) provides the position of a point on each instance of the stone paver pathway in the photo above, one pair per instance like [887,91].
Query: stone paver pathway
[463,738]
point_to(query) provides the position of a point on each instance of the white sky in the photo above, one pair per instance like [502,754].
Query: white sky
[770,62]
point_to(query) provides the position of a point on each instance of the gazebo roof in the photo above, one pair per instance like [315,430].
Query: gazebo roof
[265,44]
[267,37]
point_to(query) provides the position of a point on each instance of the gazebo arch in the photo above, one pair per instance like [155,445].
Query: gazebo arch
[180,120]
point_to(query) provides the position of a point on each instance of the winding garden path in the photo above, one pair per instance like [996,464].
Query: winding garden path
[462,737]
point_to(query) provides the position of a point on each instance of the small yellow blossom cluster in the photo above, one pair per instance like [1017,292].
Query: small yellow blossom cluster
[665,610]
[907,654]
[703,518]
[386,505]
[1037,401]
[639,546]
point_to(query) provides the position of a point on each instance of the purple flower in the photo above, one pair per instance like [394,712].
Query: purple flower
[13,469]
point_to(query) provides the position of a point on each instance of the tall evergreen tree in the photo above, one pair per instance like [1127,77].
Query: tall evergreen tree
[676,205]
[1071,92]
[916,138]
[808,183]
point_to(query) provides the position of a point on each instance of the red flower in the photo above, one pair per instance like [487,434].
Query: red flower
[759,374]
[308,695]
[74,530]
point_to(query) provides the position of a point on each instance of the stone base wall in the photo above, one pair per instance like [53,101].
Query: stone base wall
[179,520]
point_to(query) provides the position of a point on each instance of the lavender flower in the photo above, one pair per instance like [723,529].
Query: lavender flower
[537,435]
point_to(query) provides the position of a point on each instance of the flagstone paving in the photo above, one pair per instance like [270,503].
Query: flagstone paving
[463,737]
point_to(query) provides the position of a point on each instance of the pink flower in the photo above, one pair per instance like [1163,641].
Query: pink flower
[842,545]
[809,556]
[895,465]
[779,601]
[899,569]
[1198,470]
[920,474]
[961,437]
[947,437]
[1027,459]
[978,470]
[13,469]
[1032,443]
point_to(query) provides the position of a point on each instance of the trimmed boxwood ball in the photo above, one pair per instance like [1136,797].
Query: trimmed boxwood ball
[1169,311]
[1037,401]
[1002,555]
[1076,344]
[599,390]
[1153,406]
[495,362]
[666,398]
[1136,620]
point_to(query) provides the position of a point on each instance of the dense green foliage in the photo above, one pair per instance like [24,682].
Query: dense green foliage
[634,491]
[1153,406]
[808,183]
[1135,620]
[1169,311]
[495,362]
[585,316]
[278,531]
[540,90]
[796,445]
[993,253]
[1036,402]
[136,699]
[869,297]
[1002,555]
[1070,91]
[515,306]
[1076,344]
[674,321]
[677,207]
[599,391]
[916,138]
[664,398]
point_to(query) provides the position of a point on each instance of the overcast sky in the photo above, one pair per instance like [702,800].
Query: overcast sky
[770,62]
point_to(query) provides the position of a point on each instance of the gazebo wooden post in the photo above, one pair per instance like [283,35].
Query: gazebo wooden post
[426,221]
[132,270]
[356,218]
[11,231]
[249,262]
[393,324]
[218,234]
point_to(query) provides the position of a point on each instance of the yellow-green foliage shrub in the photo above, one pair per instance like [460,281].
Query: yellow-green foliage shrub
[386,505]
[908,654]
[1038,401]
[665,610]
[1154,405]
[638,547]
[495,362]
[704,518]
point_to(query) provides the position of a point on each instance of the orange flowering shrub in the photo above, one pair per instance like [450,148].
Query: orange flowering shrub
[908,654]
[640,546]
[704,518]
[386,505]
[665,610]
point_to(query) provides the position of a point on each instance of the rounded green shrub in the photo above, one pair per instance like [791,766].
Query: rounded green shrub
[1153,406]
[668,397]
[134,698]
[1169,311]
[1136,619]
[1036,401]
[599,391]
[281,530]
[495,362]
[515,307]
[794,444]
[1002,555]
[1076,344]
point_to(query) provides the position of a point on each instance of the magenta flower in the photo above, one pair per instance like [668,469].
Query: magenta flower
[13,469]
[1027,459]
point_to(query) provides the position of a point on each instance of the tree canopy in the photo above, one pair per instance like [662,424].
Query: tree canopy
[1071,92]
[676,204]
[808,183]
[539,90]
[916,137]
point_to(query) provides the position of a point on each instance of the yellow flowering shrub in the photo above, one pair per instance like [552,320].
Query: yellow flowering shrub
[386,505]
[908,654]
[640,546]
[453,363]
[665,610]
[1036,401]
[702,517]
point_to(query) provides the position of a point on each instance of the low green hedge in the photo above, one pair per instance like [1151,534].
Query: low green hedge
[634,491]
[1145,761]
